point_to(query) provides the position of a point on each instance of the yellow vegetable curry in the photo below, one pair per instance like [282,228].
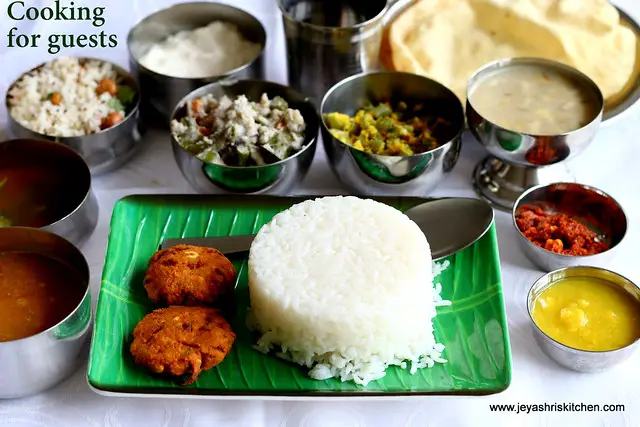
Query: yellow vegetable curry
[588,314]
[382,130]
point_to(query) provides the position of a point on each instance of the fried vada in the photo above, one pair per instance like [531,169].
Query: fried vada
[179,341]
[190,275]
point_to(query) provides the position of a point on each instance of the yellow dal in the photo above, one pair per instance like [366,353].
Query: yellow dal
[588,314]
[448,40]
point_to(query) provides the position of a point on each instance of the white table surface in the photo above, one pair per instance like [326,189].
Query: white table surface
[610,163]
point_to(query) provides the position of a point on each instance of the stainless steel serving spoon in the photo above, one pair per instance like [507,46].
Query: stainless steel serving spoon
[450,224]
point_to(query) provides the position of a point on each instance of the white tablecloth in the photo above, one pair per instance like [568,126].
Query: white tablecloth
[610,163]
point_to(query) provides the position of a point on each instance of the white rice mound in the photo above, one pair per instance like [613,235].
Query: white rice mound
[207,51]
[81,110]
[343,286]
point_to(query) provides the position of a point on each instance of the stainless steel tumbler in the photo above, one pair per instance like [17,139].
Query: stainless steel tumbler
[330,40]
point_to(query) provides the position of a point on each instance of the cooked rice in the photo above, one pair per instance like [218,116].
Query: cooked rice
[212,50]
[81,110]
[343,286]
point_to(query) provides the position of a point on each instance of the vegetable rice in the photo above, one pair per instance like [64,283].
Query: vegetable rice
[65,98]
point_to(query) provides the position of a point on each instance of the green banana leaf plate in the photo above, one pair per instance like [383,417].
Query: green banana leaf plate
[473,328]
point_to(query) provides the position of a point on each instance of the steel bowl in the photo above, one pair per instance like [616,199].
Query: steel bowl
[31,365]
[572,358]
[529,150]
[161,93]
[276,178]
[77,206]
[365,173]
[590,206]
[103,151]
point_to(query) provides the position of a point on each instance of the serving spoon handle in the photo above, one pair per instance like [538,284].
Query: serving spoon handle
[450,224]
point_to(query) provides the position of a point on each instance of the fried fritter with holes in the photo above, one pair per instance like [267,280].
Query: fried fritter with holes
[190,275]
[178,341]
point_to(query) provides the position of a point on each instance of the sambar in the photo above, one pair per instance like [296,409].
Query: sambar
[36,293]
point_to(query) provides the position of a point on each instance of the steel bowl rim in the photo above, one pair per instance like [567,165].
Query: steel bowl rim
[74,154]
[632,95]
[313,135]
[324,28]
[477,77]
[122,72]
[395,8]
[361,75]
[85,295]
[263,43]
[589,188]
[565,347]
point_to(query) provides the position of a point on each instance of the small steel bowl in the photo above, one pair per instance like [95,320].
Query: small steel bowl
[572,358]
[522,149]
[591,206]
[31,365]
[161,93]
[276,178]
[365,173]
[103,151]
[75,205]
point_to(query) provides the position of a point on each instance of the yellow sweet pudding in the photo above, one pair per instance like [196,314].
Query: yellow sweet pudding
[588,313]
